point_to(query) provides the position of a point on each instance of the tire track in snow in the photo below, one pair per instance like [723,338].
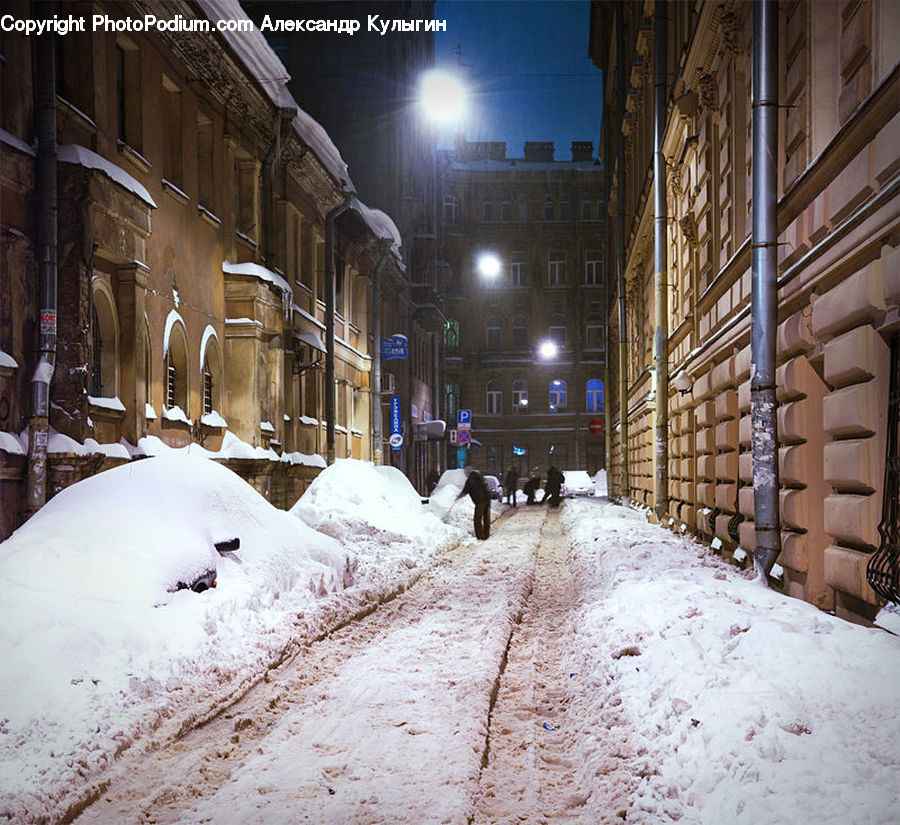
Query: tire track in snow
[384,720]
[531,766]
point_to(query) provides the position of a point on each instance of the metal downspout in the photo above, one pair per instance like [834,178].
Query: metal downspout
[329,327]
[661,298]
[764,306]
[607,390]
[620,259]
[377,437]
[39,424]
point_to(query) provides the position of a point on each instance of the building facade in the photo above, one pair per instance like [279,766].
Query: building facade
[838,277]
[543,224]
[191,299]
[365,91]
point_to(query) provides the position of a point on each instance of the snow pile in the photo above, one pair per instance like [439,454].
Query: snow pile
[95,646]
[374,508]
[730,702]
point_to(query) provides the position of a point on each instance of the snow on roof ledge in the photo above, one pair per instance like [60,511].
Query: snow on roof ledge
[80,156]
[257,271]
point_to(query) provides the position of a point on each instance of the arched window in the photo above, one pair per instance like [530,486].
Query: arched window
[557,395]
[585,208]
[594,395]
[493,399]
[493,332]
[211,370]
[520,396]
[148,374]
[557,329]
[593,331]
[104,341]
[177,369]
[520,333]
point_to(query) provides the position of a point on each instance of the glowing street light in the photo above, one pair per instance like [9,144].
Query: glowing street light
[488,265]
[441,95]
[548,350]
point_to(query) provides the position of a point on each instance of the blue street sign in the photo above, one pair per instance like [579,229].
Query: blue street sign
[396,439]
[394,348]
[464,419]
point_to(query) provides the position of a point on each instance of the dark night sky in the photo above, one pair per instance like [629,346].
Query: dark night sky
[526,69]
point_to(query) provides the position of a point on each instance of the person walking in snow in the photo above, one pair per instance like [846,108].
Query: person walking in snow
[476,488]
[531,487]
[553,487]
[511,485]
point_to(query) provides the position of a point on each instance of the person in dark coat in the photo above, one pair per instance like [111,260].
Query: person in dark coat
[476,488]
[553,487]
[511,485]
[531,487]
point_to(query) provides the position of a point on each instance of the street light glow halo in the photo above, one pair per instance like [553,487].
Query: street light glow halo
[442,95]
[488,265]
[548,349]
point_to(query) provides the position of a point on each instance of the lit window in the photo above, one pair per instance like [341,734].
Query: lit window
[557,396]
[520,397]
[594,395]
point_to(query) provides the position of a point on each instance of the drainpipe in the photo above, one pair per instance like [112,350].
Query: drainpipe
[620,259]
[377,437]
[330,218]
[660,224]
[607,390]
[39,423]
[764,306]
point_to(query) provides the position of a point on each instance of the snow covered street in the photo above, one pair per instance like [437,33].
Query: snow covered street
[580,666]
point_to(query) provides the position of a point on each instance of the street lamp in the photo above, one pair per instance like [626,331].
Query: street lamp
[488,265]
[548,350]
[441,95]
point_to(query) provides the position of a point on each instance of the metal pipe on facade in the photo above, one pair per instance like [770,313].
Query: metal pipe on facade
[39,423]
[764,304]
[661,299]
[377,437]
[620,257]
[330,281]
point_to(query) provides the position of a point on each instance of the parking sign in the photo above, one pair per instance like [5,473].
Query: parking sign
[464,420]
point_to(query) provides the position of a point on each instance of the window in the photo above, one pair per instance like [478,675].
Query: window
[594,395]
[172,131]
[310,380]
[520,396]
[211,372]
[564,210]
[128,94]
[556,268]
[451,336]
[451,209]
[506,211]
[549,208]
[557,396]
[104,339]
[518,269]
[520,333]
[205,162]
[593,267]
[247,194]
[74,63]
[493,332]
[487,211]
[593,332]
[493,399]
[557,329]
[586,210]
[176,370]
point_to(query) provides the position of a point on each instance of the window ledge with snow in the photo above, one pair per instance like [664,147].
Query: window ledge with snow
[266,426]
[7,361]
[113,405]
[306,419]
[175,192]
[176,415]
[134,157]
[149,412]
[213,419]
[208,216]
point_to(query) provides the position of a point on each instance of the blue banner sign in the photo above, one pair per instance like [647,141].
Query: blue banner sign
[396,439]
[394,348]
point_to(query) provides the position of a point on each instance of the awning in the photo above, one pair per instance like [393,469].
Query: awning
[311,339]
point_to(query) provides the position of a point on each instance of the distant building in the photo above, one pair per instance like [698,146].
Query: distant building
[838,217]
[544,222]
[192,197]
[364,90]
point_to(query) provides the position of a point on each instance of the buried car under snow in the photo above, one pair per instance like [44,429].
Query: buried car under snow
[577,483]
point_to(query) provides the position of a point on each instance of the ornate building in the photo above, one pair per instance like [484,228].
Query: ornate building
[189,295]
[838,276]
[542,223]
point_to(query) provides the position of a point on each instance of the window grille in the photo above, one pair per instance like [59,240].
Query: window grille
[207,392]
[170,385]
